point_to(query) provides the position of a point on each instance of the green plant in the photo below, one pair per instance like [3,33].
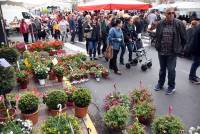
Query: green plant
[59,70]
[61,124]
[10,54]
[41,71]
[116,117]
[82,97]
[98,73]
[167,125]
[140,95]
[28,103]
[7,81]
[136,128]
[22,76]
[145,110]
[12,99]
[54,98]
[93,70]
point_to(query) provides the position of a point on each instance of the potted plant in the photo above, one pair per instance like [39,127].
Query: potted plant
[53,99]
[116,118]
[8,82]
[28,105]
[10,54]
[59,71]
[82,98]
[105,73]
[12,99]
[98,75]
[61,125]
[136,128]
[116,98]
[144,112]
[167,124]
[16,127]
[69,91]
[52,75]
[140,95]
[41,72]
[22,79]
[93,71]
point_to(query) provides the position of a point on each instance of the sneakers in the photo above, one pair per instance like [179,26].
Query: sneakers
[195,81]
[158,87]
[170,91]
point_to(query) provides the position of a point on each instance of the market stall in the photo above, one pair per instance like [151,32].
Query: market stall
[114,5]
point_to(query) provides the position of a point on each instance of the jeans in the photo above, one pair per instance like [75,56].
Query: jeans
[73,34]
[195,65]
[80,34]
[25,35]
[92,45]
[167,62]
[113,61]
[130,51]
[63,35]
[123,49]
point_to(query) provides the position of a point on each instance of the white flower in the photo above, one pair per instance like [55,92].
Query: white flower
[11,132]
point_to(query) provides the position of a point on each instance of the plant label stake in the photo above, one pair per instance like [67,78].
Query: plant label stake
[115,88]
[26,47]
[18,66]
[141,85]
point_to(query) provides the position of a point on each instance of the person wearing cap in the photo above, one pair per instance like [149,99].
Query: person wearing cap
[170,41]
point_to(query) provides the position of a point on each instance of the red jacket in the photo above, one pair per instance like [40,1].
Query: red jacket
[23,27]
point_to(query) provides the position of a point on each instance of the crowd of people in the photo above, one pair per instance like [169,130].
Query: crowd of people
[123,30]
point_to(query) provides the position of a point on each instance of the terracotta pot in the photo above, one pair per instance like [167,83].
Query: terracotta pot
[81,112]
[52,75]
[60,78]
[105,75]
[70,104]
[3,114]
[52,112]
[92,75]
[32,117]
[23,85]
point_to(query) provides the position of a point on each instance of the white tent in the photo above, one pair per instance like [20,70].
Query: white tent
[187,6]
[161,7]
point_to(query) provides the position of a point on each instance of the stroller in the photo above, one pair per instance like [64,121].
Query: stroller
[141,56]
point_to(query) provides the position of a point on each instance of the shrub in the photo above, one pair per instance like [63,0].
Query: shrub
[167,125]
[136,128]
[41,71]
[59,70]
[82,97]
[116,117]
[22,76]
[54,98]
[28,103]
[60,124]
[10,54]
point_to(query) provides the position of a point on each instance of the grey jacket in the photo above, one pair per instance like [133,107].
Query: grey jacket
[179,36]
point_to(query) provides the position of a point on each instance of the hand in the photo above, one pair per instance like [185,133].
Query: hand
[119,39]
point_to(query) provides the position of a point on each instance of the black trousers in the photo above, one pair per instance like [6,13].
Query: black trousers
[104,41]
[113,61]
[25,35]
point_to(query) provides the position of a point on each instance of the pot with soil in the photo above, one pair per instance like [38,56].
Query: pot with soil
[52,75]
[22,79]
[82,98]
[59,71]
[28,105]
[53,99]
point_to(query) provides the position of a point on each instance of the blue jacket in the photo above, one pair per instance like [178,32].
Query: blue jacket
[72,24]
[115,38]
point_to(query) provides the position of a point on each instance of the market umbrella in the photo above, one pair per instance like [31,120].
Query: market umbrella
[114,5]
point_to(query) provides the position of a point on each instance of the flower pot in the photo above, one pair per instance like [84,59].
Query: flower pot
[4,116]
[105,75]
[98,79]
[145,121]
[92,75]
[70,104]
[32,117]
[52,112]
[60,78]
[52,75]
[23,85]
[42,82]
[80,112]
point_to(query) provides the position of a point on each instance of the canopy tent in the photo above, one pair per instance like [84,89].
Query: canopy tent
[114,5]
[161,7]
[191,6]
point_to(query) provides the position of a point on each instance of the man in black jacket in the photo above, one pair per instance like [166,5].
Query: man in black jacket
[170,41]
[195,50]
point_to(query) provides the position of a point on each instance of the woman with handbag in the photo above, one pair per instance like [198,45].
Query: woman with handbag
[115,39]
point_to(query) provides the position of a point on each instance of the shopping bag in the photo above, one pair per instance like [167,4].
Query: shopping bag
[109,52]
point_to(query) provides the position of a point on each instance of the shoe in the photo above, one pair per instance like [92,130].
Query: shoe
[170,91]
[158,87]
[122,63]
[95,58]
[195,81]
[100,56]
[118,72]
[90,58]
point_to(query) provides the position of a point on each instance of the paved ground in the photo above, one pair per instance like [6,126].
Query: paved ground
[185,101]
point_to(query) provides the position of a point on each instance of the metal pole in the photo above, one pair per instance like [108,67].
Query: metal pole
[3,27]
